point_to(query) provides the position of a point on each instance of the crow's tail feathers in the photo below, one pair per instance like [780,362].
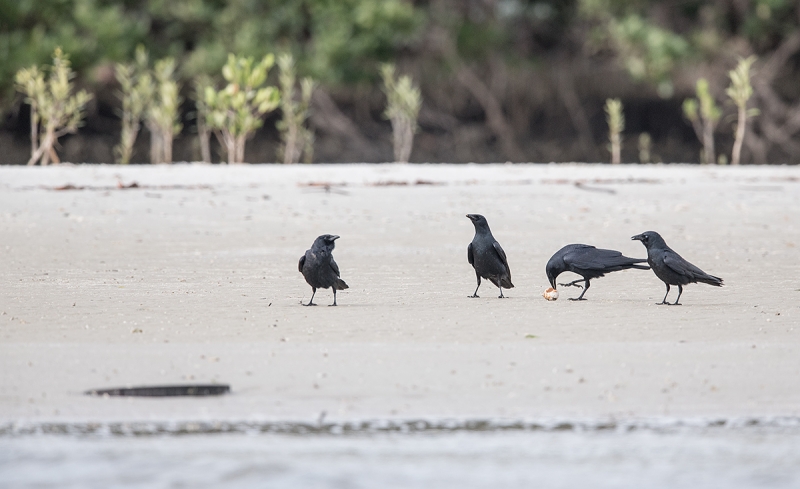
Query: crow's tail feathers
[505,282]
[624,263]
[340,285]
[710,280]
[634,263]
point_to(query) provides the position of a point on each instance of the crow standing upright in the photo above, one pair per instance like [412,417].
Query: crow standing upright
[319,268]
[487,256]
[670,267]
[588,262]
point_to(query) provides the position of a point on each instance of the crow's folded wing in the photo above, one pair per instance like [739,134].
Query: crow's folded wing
[591,258]
[501,254]
[680,266]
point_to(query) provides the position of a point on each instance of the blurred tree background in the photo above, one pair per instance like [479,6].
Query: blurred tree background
[501,80]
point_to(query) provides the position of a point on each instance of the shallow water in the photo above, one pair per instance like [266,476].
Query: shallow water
[705,457]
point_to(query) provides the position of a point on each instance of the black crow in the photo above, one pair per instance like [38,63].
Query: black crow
[588,262]
[670,267]
[487,256]
[319,268]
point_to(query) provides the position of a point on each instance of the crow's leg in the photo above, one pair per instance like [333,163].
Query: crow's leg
[311,302]
[664,301]
[580,297]
[501,296]
[334,295]
[475,294]
[680,291]
[574,283]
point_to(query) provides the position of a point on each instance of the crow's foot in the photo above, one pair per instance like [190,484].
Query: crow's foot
[576,298]
[310,304]
[474,296]
[573,284]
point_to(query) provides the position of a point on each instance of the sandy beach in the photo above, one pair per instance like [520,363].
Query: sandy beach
[192,277]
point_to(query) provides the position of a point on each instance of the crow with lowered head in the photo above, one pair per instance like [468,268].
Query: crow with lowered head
[319,268]
[670,267]
[487,257]
[588,262]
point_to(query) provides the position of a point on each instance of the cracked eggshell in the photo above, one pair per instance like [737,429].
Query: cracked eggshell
[550,294]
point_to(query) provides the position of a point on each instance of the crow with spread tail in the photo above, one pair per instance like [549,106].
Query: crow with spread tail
[670,267]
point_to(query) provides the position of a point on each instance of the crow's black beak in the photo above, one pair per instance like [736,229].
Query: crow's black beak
[471,217]
[550,277]
[638,237]
[334,237]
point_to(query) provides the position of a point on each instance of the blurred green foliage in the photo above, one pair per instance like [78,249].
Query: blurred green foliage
[337,41]
[341,44]
[90,31]
[343,41]
[652,39]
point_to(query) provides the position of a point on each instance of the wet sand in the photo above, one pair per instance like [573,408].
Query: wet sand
[192,277]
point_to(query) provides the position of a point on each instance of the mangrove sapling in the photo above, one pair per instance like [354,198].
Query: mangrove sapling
[136,92]
[235,112]
[31,82]
[54,110]
[645,148]
[296,139]
[402,108]
[704,116]
[163,113]
[740,91]
[201,115]
[616,124]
